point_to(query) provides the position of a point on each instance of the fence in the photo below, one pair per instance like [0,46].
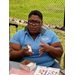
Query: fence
[52,10]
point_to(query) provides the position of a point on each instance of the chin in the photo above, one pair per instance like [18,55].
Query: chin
[33,32]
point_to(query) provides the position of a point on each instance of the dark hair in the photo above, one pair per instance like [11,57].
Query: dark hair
[36,12]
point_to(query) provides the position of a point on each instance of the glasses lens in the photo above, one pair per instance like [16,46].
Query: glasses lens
[36,22]
[30,21]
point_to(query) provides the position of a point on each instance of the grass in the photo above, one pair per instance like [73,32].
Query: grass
[60,35]
[52,10]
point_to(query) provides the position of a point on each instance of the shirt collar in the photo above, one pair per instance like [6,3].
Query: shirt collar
[42,30]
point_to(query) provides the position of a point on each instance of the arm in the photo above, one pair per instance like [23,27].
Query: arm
[16,53]
[56,50]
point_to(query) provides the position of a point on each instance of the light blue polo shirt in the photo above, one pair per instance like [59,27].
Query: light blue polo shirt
[23,38]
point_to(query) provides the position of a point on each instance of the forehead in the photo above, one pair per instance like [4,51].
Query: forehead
[34,17]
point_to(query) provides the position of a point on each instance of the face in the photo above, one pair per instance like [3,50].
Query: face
[34,24]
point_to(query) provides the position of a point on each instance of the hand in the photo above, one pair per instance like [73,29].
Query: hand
[45,48]
[26,52]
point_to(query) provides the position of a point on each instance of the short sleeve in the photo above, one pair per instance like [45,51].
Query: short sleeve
[15,38]
[55,39]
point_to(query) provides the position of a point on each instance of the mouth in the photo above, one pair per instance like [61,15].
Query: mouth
[33,29]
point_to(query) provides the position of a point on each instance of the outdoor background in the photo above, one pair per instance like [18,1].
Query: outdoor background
[52,10]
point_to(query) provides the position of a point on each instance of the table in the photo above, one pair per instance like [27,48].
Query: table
[15,65]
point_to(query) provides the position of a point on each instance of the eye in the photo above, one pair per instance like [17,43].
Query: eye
[30,21]
[37,21]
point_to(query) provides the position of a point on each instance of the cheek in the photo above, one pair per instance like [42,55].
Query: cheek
[29,27]
[37,29]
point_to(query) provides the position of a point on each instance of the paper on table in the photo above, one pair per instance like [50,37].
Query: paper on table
[14,71]
[14,74]
[41,70]
[30,64]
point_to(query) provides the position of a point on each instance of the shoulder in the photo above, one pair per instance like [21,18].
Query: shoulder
[49,32]
[52,35]
[16,37]
[20,32]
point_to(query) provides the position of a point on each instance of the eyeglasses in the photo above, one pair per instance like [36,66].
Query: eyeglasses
[36,22]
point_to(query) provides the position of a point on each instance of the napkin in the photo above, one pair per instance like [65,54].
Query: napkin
[14,71]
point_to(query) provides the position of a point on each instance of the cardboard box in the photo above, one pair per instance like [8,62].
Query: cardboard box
[27,65]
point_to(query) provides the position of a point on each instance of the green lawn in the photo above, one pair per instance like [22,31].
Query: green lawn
[53,10]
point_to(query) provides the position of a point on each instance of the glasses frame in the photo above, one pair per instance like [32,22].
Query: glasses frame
[38,22]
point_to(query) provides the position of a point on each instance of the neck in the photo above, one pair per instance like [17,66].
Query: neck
[34,35]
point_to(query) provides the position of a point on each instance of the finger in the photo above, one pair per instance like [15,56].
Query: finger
[41,50]
[41,53]
[26,48]
[29,44]
[42,42]
[30,53]
[27,53]
[42,45]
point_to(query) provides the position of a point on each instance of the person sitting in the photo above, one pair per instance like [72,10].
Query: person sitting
[44,43]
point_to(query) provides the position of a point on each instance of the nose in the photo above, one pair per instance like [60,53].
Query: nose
[33,23]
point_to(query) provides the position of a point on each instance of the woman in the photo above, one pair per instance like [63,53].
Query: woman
[44,43]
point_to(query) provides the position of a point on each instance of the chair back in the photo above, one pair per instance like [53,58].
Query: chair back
[59,60]
[12,25]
